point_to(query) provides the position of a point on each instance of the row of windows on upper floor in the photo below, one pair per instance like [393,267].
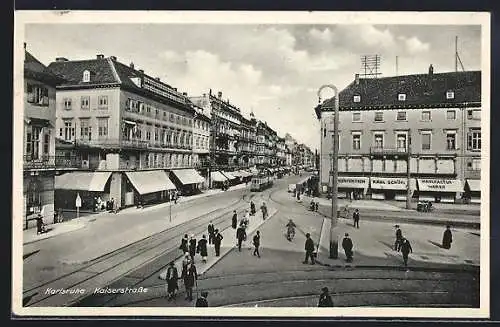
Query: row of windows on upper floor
[450,95]
[38,94]
[425,115]
[450,143]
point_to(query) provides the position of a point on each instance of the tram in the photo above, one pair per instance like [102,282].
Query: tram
[260,183]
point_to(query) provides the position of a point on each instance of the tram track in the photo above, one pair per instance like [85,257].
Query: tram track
[129,255]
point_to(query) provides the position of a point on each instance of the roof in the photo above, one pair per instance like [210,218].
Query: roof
[422,90]
[101,71]
[36,70]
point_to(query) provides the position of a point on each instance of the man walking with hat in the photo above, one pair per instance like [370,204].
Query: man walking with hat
[347,245]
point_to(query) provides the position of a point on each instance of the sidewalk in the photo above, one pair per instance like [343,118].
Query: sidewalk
[30,235]
[374,245]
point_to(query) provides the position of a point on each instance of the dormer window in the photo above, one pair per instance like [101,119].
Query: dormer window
[450,95]
[357,98]
[86,76]
[402,97]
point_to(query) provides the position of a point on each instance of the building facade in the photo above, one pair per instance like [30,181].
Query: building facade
[123,122]
[429,121]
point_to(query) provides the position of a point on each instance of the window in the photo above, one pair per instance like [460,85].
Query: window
[172,118]
[451,141]
[475,164]
[67,103]
[402,97]
[148,108]
[85,102]
[38,95]
[426,115]
[85,129]
[474,114]
[148,135]
[356,141]
[379,116]
[356,116]
[401,115]
[103,101]
[169,137]
[474,140]
[156,134]
[33,142]
[102,124]
[426,140]
[401,141]
[46,143]
[86,76]
[450,95]
[69,130]
[451,115]
[178,120]
[357,98]
[379,141]
[157,112]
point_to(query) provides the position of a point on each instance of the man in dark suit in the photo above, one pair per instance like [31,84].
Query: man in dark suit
[217,241]
[211,233]
[309,247]
[347,245]
[240,236]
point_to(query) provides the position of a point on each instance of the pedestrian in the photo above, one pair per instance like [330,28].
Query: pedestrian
[252,208]
[447,238]
[112,205]
[347,246]
[176,195]
[246,218]
[172,278]
[405,248]
[325,300]
[240,236]
[399,238]
[309,247]
[263,208]
[40,226]
[256,244]
[190,277]
[211,233]
[316,206]
[184,244]
[202,301]
[192,247]
[202,248]
[355,217]
[234,222]
[217,241]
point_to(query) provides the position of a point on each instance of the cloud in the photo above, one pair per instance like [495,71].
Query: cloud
[414,45]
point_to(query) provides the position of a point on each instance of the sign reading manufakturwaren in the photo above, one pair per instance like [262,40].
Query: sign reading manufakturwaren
[440,185]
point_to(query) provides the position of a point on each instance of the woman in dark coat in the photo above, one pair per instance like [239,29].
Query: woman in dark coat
[184,244]
[190,277]
[202,248]
[172,277]
[447,238]
[192,247]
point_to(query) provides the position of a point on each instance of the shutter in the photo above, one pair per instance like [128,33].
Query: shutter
[127,104]
[469,141]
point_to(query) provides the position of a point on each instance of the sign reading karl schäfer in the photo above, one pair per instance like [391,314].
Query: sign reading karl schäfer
[440,185]
[388,183]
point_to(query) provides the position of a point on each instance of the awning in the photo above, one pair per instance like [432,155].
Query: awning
[254,171]
[82,181]
[130,122]
[353,182]
[381,183]
[216,176]
[237,173]
[245,173]
[229,175]
[146,182]
[474,185]
[440,185]
[188,176]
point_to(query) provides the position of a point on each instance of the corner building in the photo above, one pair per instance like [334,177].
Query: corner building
[432,121]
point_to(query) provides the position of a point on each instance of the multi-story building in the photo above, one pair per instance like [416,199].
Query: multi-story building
[247,141]
[201,140]
[39,159]
[431,121]
[281,151]
[127,127]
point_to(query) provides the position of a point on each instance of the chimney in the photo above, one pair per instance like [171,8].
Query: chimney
[132,65]
[219,95]
[175,89]
[184,94]
[112,58]
[158,79]
[61,59]
[100,56]
[24,45]
[356,79]
[141,71]
[431,70]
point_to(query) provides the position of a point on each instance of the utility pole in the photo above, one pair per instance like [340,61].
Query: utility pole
[334,246]
[408,172]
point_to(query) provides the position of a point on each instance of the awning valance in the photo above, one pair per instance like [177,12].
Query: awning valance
[188,176]
[216,176]
[229,175]
[353,182]
[133,123]
[82,181]
[474,185]
[439,185]
[146,182]
[382,183]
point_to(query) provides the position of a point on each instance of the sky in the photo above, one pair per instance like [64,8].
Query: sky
[274,70]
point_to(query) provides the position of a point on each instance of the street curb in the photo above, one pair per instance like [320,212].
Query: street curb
[232,248]
[83,225]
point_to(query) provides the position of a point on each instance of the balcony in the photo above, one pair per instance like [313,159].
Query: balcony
[51,162]
[112,143]
[377,151]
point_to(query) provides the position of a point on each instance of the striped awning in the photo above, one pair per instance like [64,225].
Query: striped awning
[82,181]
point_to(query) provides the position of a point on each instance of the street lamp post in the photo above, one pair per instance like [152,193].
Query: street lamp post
[334,246]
